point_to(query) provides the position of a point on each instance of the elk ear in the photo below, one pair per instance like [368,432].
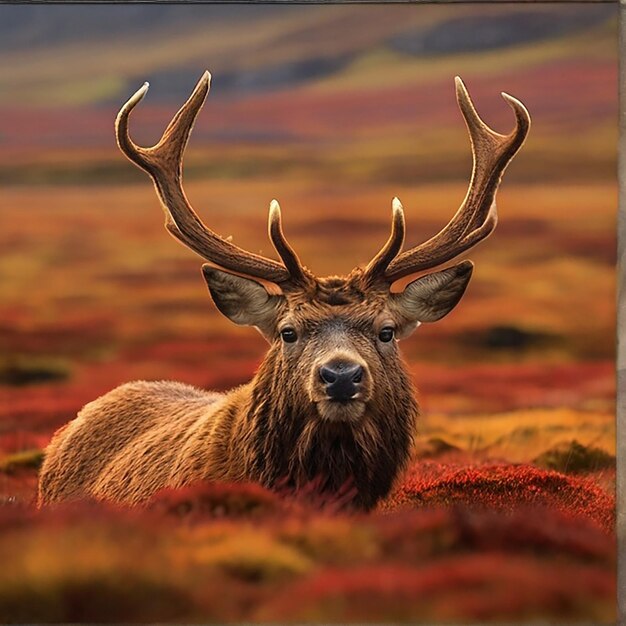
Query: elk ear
[431,297]
[243,300]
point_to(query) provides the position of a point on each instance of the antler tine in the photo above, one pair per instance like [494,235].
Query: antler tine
[377,266]
[476,217]
[164,163]
[285,251]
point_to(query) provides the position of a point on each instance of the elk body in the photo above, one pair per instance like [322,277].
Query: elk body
[332,402]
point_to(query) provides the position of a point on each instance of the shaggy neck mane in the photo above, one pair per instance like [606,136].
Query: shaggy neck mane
[292,447]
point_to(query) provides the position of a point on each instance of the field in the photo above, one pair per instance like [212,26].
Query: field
[507,511]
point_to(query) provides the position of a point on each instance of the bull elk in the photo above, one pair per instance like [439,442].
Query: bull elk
[332,402]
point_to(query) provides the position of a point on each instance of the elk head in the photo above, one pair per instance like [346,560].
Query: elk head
[333,340]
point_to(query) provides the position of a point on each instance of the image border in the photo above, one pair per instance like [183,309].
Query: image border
[620,404]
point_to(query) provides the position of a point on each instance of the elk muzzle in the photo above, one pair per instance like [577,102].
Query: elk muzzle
[341,379]
[340,387]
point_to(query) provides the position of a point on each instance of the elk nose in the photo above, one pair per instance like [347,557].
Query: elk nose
[342,379]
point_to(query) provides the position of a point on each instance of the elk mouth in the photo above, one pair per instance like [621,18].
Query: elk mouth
[331,410]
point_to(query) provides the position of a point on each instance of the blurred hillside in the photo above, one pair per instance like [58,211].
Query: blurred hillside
[359,93]
[252,48]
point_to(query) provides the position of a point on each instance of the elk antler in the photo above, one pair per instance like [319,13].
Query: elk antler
[164,163]
[476,217]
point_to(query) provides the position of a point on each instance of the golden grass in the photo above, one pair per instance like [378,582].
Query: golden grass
[77,239]
[520,436]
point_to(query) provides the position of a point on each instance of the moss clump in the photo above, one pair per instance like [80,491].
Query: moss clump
[434,447]
[24,460]
[19,371]
[254,557]
[575,458]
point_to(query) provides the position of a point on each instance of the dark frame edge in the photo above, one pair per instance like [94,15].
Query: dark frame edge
[621,328]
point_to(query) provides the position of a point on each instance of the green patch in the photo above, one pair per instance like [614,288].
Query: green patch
[18,371]
[574,458]
[25,460]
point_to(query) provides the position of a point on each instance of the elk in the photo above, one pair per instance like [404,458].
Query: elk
[332,402]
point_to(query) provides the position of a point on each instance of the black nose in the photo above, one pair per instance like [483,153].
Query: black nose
[342,379]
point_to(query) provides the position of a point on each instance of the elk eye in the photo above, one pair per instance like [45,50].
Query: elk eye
[386,334]
[288,335]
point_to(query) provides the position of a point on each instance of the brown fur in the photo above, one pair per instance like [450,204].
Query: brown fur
[144,436]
